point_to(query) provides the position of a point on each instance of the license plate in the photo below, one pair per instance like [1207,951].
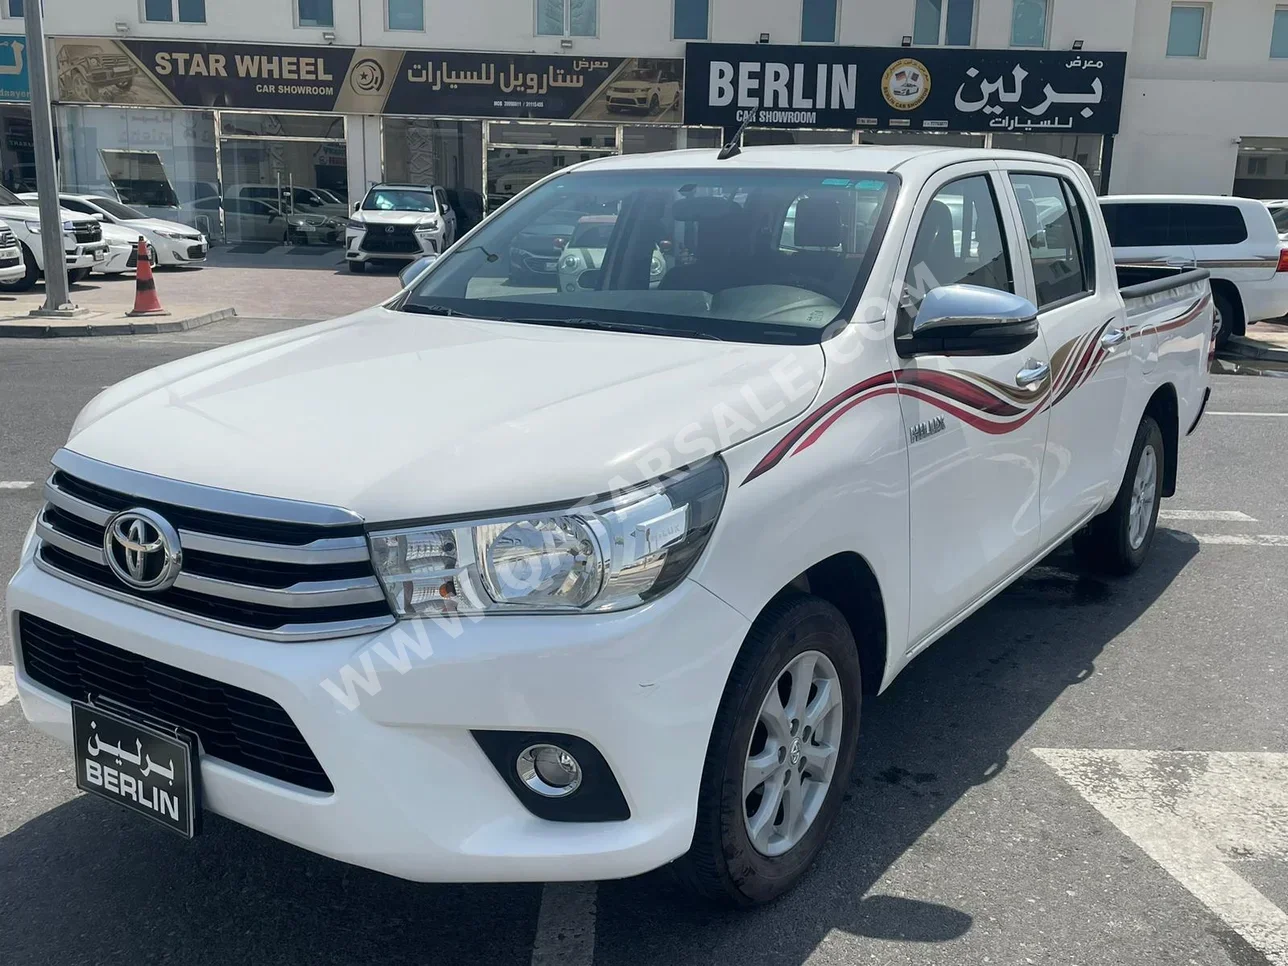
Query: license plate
[99,256]
[148,768]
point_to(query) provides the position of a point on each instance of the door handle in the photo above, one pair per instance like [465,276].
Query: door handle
[1032,372]
[1113,338]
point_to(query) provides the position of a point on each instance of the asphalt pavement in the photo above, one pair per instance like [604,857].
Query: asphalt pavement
[1085,772]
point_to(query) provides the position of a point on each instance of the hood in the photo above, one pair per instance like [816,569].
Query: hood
[634,86]
[399,416]
[32,213]
[160,224]
[394,217]
[119,235]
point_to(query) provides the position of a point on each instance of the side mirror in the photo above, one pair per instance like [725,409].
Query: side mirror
[414,270]
[590,279]
[99,216]
[353,209]
[970,320]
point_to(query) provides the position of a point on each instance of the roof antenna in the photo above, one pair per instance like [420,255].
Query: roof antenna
[732,150]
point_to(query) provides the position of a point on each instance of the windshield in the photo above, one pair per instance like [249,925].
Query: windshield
[328,197]
[7,197]
[735,254]
[1281,218]
[399,199]
[116,209]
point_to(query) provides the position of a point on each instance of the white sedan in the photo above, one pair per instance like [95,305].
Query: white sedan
[121,244]
[173,242]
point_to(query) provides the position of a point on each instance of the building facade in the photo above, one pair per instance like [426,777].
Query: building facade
[216,110]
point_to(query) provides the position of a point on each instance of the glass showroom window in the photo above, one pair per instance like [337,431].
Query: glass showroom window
[1187,30]
[169,11]
[315,13]
[405,14]
[818,21]
[1279,34]
[1029,23]
[691,20]
[948,22]
[567,18]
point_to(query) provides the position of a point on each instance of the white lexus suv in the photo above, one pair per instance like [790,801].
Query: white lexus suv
[399,222]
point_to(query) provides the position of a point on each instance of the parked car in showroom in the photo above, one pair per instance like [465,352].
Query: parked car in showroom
[83,245]
[585,253]
[488,584]
[644,91]
[399,222]
[1233,238]
[173,243]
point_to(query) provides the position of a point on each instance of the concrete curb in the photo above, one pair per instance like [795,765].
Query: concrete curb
[41,329]
[1241,347]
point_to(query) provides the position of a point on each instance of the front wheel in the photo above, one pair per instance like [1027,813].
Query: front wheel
[357,268]
[77,275]
[1117,541]
[780,756]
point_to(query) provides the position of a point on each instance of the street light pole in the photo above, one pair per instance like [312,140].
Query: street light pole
[57,298]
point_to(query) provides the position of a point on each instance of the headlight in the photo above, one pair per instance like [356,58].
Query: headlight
[356,225]
[33,227]
[571,263]
[611,555]
[170,234]
[429,225]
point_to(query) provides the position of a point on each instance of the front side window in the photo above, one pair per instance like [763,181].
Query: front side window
[1187,30]
[948,22]
[818,21]
[1279,34]
[960,241]
[1029,23]
[726,253]
[406,14]
[691,19]
[316,13]
[567,18]
[168,11]
[1057,236]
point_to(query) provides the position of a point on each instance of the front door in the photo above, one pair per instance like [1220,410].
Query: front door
[976,424]
[1084,323]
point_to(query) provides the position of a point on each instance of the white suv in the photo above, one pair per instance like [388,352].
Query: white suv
[1233,238]
[83,243]
[400,222]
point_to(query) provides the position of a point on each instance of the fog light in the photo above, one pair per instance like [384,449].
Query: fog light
[549,770]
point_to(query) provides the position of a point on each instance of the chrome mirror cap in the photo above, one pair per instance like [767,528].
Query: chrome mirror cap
[971,305]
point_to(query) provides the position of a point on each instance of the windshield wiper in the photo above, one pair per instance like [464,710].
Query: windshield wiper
[432,309]
[603,326]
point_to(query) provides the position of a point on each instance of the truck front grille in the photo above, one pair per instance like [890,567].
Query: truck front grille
[238,726]
[260,566]
[87,232]
[7,239]
[397,239]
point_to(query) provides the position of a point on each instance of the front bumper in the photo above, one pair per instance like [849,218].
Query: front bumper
[11,264]
[1265,299]
[180,251]
[415,796]
[120,258]
[428,243]
[92,255]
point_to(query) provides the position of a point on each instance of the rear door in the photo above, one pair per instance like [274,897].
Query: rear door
[1085,325]
[976,428]
[1144,233]
[1222,242]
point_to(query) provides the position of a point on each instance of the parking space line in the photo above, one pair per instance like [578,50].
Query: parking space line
[1233,539]
[8,690]
[566,925]
[15,484]
[1229,516]
[1212,412]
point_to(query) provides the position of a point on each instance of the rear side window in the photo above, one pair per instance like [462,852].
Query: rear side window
[1211,224]
[1057,233]
[1281,219]
[1141,226]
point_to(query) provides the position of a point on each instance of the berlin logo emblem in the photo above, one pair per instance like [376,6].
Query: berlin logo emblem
[142,549]
[906,84]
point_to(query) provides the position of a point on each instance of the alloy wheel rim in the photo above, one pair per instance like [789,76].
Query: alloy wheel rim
[792,755]
[1143,495]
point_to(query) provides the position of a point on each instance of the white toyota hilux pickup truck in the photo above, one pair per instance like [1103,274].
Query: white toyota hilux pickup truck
[503,581]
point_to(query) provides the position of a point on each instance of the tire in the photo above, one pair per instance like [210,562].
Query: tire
[1226,315]
[28,279]
[654,104]
[77,275]
[357,268]
[723,866]
[1108,544]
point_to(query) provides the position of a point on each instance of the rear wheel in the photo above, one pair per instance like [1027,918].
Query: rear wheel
[780,756]
[27,280]
[1225,316]
[357,267]
[1118,541]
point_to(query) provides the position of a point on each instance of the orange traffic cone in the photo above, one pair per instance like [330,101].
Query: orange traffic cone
[145,287]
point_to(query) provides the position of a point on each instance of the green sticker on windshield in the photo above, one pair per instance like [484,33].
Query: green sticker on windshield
[865,185]
[869,185]
[837,182]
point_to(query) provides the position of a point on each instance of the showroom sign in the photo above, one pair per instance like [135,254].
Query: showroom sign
[366,80]
[14,83]
[919,88]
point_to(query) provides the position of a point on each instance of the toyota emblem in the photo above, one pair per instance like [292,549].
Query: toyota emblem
[142,549]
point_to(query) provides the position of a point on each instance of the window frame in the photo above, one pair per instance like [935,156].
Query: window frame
[174,14]
[1046,27]
[301,25]
[836,26]
[406,30]
[1279,16]
[1203,7]
[941,39]
[567,21]
[7,13]
[705,36]
[1067,187]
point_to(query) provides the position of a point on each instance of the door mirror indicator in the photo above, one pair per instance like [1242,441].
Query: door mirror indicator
[970,320]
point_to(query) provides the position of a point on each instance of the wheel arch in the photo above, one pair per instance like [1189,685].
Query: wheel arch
[848,582]
[1163,407]
[1226,288]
